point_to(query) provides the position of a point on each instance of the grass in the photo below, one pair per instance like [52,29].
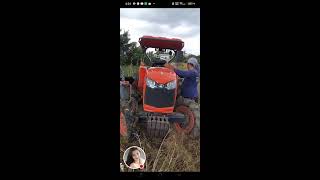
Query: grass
[130,70]
[175,153]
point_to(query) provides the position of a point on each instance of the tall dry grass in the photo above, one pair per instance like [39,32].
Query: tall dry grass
[174,153]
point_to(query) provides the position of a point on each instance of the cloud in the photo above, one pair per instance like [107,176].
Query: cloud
[181,23]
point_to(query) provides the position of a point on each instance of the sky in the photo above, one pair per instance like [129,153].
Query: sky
[183,23]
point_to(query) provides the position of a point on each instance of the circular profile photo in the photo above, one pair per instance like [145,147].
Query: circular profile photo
[134,157]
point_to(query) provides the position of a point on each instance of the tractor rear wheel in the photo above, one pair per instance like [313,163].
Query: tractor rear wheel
[127,119]
[123,125]
[126,124]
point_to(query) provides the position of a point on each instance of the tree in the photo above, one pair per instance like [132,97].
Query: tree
[125,47]
[198,58]
[135,54]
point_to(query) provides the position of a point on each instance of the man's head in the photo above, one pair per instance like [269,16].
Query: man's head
[192,63]
[189,66]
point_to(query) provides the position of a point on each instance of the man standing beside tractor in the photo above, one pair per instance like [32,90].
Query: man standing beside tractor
[189,88]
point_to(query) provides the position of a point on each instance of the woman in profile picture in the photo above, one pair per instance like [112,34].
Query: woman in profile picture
[134,159]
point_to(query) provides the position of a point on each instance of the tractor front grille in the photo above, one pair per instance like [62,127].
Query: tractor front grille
[159,97]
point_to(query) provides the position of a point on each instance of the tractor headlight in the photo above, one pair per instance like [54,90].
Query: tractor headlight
[150,83]
[171,85]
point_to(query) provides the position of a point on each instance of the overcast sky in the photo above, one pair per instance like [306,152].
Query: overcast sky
[183,23]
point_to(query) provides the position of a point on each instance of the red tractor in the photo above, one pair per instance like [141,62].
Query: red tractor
[152,100]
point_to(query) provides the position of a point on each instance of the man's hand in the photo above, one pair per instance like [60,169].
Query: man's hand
[124,83]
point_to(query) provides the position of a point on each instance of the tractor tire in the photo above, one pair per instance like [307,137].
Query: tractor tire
[127,118]
[195,108]
[126,125]
[157,127]
[123,125]
[192,110]
[134,105]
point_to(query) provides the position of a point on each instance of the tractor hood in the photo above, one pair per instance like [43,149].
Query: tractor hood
[161,75]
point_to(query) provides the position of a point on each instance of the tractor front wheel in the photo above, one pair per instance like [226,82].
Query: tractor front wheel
[190,120]
[191,110]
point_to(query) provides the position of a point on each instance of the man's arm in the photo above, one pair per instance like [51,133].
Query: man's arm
[184,74]
[180,73]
